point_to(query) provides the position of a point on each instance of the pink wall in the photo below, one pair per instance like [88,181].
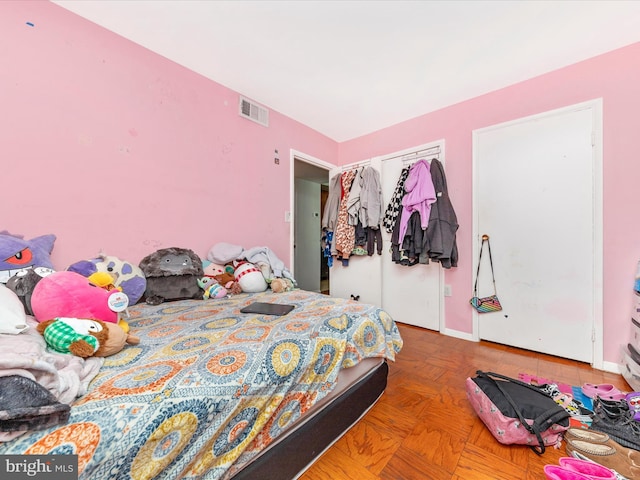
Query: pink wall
[112,147]
[615,77]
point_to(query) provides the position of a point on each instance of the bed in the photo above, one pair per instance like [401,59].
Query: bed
[213,393]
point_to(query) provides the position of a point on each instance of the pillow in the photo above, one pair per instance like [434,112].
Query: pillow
[12,315]
[224,253]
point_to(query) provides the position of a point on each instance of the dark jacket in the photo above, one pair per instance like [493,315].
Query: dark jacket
[443,223]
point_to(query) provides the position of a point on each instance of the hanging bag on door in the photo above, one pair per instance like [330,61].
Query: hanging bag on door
[485,304]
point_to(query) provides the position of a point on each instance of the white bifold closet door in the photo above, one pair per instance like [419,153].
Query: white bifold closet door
[536,187]
[411,295]
[363,277]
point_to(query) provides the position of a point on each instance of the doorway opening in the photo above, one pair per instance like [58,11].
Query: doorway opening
[310,184]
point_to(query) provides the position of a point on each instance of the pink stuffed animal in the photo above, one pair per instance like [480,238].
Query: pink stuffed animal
[69,294]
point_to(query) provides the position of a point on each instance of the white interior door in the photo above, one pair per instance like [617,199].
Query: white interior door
[413,294]
[536,197]
[307,235]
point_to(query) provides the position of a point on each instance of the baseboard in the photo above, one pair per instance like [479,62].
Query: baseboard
[611,367]
[458,334]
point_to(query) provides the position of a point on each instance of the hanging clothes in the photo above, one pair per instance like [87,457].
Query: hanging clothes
[345,234]
[353,202]
[443,222]
[370,198]
[420,195]
[332,204]
[392,213]
[327,245]
[330,219]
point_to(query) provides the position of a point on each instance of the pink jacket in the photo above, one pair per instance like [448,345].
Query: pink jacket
[419,197]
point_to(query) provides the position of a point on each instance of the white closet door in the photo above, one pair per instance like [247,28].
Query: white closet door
[362,277]
[411,295]
[535,200]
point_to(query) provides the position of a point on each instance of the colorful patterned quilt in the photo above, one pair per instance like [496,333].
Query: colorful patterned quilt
[209,387]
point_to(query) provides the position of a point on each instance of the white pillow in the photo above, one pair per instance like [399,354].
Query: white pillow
[13,320]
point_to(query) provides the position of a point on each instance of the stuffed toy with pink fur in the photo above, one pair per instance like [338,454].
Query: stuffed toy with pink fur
[69,294]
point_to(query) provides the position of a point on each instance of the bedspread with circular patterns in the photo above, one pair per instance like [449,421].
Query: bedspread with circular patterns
[208,387]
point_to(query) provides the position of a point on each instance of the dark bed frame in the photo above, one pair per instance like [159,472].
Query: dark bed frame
[291,456]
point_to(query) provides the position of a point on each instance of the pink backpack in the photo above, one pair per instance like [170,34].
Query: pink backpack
[517,413]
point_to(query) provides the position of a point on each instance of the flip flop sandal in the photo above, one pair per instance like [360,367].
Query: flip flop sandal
[603,390]
[538,381]
[566,401]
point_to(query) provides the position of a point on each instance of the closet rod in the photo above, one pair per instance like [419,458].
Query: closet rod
[433,151]
[353,166]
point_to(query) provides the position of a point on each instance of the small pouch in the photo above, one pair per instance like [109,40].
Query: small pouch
[486,304]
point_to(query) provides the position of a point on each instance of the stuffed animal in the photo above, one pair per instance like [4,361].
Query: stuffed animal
[126,276]
[12,317]
[279,285]
[212,289]
[18,254]
[24,282]
[223,274]
[172,274]
[69,294]
[103,280]
[249,277]
[84,337]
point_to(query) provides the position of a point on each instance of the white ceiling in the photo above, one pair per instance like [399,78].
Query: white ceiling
[348,68]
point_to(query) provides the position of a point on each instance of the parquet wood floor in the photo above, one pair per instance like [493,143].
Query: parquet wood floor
[423,426]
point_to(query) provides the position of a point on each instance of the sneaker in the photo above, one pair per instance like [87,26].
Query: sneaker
[615,419]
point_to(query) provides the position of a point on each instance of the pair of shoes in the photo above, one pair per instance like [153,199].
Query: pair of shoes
[571,468]
[599,448]
[603,390]
[615,419]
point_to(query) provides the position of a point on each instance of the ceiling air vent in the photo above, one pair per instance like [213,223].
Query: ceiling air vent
[253,111]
